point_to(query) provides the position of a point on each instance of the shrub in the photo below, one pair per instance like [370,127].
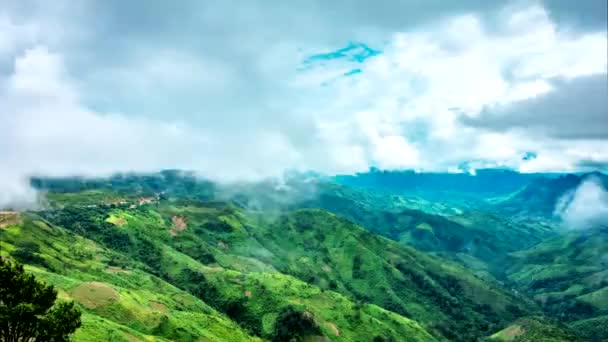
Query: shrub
[294,325]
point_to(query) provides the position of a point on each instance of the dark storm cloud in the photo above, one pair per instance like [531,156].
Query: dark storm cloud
[575,109]
[583,15]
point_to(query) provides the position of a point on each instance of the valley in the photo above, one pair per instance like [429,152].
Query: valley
[168,256]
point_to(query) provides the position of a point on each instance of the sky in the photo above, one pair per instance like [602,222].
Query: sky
[244,90]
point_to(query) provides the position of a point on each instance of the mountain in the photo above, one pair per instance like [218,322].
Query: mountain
[133,286]
[487,182]
[568,276]
[592,329]
[168,256]
[175,182]
[540,197]
[121,303]
[243,266]
[535,329]
[476,238]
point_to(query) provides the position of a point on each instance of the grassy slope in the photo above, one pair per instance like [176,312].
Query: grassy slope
[535,329]
[592,329]
[475,238]
[87,197]
[321,248]
[229,247]
[568,275]
[128,302]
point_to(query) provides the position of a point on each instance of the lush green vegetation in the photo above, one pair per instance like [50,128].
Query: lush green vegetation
[28,310]
[567,275]
[478,238]
[535,329]
[153,289]
[117,298]
[168,257]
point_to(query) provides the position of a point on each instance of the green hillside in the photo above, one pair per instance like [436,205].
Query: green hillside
[538,199]
[568,276]
[535,329]
[119,302]
[169,257]
[592,329]
[474,237]
[167,293]
[240,268]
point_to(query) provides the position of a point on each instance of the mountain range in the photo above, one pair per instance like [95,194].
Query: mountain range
[382,256]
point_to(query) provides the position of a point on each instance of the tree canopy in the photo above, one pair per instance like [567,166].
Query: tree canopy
[294,325]
[28,311]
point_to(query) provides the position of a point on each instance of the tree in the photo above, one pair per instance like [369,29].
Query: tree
[293,325]
[27,310]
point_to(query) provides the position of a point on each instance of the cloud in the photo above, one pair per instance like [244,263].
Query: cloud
[438,86]
[234,91]
[47,115]
[48,131]
[586,207]
[578,15]
[575,108]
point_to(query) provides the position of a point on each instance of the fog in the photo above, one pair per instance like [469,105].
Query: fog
[586,207]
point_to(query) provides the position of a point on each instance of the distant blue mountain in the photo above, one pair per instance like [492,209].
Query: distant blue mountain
[542,194]
[485,182]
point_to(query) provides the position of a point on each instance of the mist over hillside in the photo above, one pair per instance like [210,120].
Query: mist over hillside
[237,248]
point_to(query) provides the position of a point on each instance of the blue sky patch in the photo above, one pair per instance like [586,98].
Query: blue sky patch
[354,52]
[353,72]
[529,156]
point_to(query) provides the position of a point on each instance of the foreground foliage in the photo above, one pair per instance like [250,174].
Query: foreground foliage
[28,311]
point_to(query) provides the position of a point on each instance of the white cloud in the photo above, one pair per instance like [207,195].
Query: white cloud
[233,103]
[49,131]
[12,35]
[430,77]
[586,207]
